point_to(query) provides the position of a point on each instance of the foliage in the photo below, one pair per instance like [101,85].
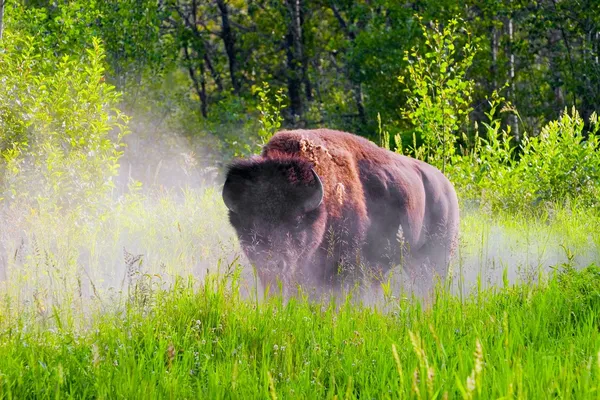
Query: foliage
[442,80]
[439,95]
[63,29]
[269,117]
[485,166]
[349,54]
[561,164]
[563,161]
[270,111]
[60,132]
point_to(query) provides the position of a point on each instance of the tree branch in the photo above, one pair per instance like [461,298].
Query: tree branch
[200,87]
[341,20]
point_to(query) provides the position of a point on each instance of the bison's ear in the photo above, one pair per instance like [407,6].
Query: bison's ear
[315,197]
[232,192]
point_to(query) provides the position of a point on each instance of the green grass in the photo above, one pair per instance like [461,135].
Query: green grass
[522,341]
[521,322]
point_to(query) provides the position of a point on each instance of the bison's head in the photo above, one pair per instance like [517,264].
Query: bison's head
[276,209]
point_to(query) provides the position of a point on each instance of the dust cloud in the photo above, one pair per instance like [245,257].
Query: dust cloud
[495,251]
[175,224]
[163,219]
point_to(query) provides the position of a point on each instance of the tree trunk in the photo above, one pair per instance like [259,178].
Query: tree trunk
[513,118]
[358,97]
[228,37]
[308,90]
[307,84]
[213,72]
[494,67]
[294,58]
[2,4]
[596,49]
[199,85]
[568,48]
[358,92]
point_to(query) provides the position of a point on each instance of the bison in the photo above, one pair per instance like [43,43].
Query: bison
[322,207]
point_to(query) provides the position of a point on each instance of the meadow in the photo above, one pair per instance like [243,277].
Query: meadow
[519,319]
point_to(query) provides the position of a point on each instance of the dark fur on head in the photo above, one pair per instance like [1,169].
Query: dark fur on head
[274,206]
[289,179]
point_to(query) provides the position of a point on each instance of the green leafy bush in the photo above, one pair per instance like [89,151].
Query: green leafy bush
[269,117]
[60,130]
[439,95]
[560,164]
[563,161]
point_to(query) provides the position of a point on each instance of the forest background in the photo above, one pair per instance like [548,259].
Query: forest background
[428,79]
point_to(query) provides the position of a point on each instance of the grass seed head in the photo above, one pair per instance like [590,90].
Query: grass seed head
[272,391]
[399,366]
[415,383]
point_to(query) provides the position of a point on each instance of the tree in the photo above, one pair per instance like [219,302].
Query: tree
[228,37]
[439,92]
[295,57]
[2,3]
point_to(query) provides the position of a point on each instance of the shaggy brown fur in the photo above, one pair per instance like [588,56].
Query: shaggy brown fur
[380,209]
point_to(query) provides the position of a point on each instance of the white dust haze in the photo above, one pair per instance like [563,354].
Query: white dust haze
[176,225]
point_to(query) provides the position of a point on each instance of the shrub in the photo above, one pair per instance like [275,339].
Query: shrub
[60,131]
[560,164]
[439,95]
[269,108]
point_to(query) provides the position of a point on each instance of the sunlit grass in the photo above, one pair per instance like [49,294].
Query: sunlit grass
[523,341]
[73,323]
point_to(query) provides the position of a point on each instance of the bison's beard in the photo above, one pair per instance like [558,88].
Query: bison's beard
[274,280]
[278,259]
[271,268]
[281,273]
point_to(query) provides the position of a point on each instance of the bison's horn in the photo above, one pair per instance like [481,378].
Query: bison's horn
[316,196]
[228,196]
